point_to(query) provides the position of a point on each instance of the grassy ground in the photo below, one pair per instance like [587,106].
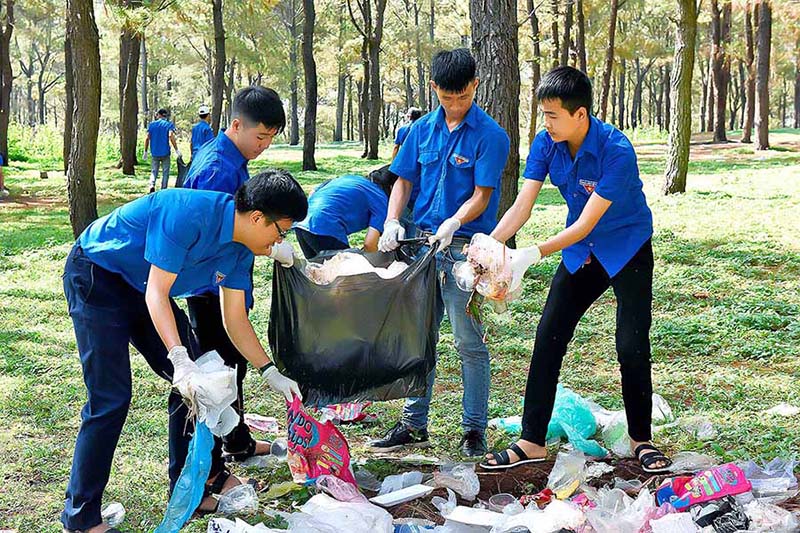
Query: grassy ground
[725,334]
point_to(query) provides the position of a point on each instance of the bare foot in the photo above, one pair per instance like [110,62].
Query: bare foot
[263,447]
[209,503]
[533,451]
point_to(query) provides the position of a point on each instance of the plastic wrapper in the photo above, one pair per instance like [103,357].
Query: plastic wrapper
[674,523]
[662,412]
[460,477]
[265,424]
[510,424]
[568,472]
[349,264]
[371,338]
[113,514]
[708,485]
[724,515]
[400,481]
[445,507]
[691,462]
[616,512]
[345,412]
[775,481]
[573,419]
[315,449]
[339,489]
[557,516]
[241,499]
[366,480]
[765,517]
[323,514]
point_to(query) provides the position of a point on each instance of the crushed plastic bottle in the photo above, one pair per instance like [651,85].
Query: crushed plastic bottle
[113,514]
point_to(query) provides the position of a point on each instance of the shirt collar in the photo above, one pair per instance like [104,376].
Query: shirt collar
[228,217]
[230,151]
[470,119]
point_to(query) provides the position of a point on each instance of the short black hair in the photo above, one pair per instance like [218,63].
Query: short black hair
[414,113]
[203,116]
[163,112]
[275,193]
[383,178]
[453,70]
[568,84]
[259,105]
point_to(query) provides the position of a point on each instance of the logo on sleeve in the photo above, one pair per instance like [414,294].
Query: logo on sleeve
[460,159]
[218,277]
[588,185]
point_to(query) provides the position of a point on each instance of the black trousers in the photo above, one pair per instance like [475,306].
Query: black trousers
[205,316]
[312,244]
[570,297]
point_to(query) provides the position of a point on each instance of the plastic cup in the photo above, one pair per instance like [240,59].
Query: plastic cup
[279,448]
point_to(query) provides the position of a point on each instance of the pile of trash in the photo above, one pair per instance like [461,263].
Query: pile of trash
[349,264]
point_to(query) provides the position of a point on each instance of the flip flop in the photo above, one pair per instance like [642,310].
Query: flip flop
[652,457]
[503,462]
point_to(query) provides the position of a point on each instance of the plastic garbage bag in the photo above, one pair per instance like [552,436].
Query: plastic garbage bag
[674,523]
[568,472]
[573,419]
[691,462]
[188,491]
[557,516]
[775,481]
[323,514]
[460,477]
[341,490]
[400,481]
[369,338]
[616,512]
[239,499]
[765,517]
[315,449]
[113,514]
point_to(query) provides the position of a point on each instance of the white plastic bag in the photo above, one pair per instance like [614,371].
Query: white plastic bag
[765,517]
[568,472]
[324,514]
[460,477]
[400,481]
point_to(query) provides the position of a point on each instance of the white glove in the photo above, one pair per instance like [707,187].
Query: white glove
[444,235]
[392,232]
[178,154]
[280,383]
[184,369]
[145,155]
[283,253]
[522,260]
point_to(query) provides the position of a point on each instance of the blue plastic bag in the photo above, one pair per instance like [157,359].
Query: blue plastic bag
[573,420]
[188,491]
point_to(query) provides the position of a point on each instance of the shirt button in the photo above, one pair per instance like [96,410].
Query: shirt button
[591,244]
[574,195]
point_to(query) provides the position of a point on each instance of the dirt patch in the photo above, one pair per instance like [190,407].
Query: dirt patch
[28,201]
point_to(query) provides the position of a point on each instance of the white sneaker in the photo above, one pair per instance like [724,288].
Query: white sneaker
[4,193]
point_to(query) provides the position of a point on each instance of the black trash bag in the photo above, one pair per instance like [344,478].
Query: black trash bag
[360,337]
[183,169]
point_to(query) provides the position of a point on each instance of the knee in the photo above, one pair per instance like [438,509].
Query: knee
[633,352]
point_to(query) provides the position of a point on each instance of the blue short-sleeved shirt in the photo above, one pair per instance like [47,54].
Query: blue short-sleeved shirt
[188,233]
[219,166]
[201,134]
[449,165]
[159,137]
[345,205]
[402,133]
[605,164]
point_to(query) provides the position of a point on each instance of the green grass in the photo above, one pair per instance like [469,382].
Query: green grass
[726,329]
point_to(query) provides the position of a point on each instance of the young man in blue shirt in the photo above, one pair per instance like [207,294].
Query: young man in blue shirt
[345,205]
[456,155]
[160,134]
[607,243]
[201,132]
[257,116]
[120,280]
[412,115]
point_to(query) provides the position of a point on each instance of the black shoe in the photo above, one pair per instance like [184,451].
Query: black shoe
[152,190]
[473,444]
[399,437]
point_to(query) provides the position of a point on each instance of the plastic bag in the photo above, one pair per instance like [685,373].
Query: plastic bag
[323,514]
[113,514]
[557,516]
[774,481]
[188,491]
[725,516]
[400,481]
[615,435]
[445,507]
[765,517]
[662,412]
[568,472]
[572,418]
[699,427]
[358,338]
[691,462]
[349,264]
[223,525]
[366,480]
[511,424]
[460,477]
[315,449]
[239,499]
[674,523]
[341,490]
[616,512]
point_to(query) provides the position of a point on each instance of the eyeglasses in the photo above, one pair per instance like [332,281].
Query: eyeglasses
[281,232]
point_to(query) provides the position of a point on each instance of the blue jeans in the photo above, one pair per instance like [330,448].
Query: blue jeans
[468,335]
[161,162]
[108,315]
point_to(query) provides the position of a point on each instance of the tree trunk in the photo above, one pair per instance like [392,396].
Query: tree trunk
[6,76]
[433,100]
[376,100]
[496,48]
[218,82]
[294,119]
[667,99]
[797,82]
[143,84]
[621,95]
[69,104]
[750,89]
[536,66]
[710,104]
[421,85]
[310,69]
[349,108]
[680,131]
[130,46]
[721,36]
[341,79]
[704,82]
[361,110]
[229,84]
[581,41]
[613,99]
[764,40]
[555,34]
[85,61]
[609,63]
[566,39]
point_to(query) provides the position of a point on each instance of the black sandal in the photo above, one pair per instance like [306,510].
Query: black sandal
[215,491]
[239,457]
[652,457]
[503,462]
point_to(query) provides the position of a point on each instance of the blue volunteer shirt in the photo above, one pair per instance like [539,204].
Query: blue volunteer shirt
[188,233]
[201,134]
[345,205]
[219,166]
[448,165]
[605,164]
[402,133]
[159,137]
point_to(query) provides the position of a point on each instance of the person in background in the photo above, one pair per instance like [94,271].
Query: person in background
[412,115]
[201,132]
[160,134]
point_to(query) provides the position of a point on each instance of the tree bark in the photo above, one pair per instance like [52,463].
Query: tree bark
[496,48]
[750,89]
[567,37]
[581,40]
[536,66]
[376,100]
[143,84]
[341,80]
[421,85]
[349,108]
[85,62]
[710,104]
[721,36]
[6,75]
[797,82]
[609,63]
[310,70]
[218,82]
[130,45]
[680,131]
[554,29]
[69,105]
[621,95]
[764,39]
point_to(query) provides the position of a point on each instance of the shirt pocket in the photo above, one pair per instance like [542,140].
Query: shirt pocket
[558,177]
